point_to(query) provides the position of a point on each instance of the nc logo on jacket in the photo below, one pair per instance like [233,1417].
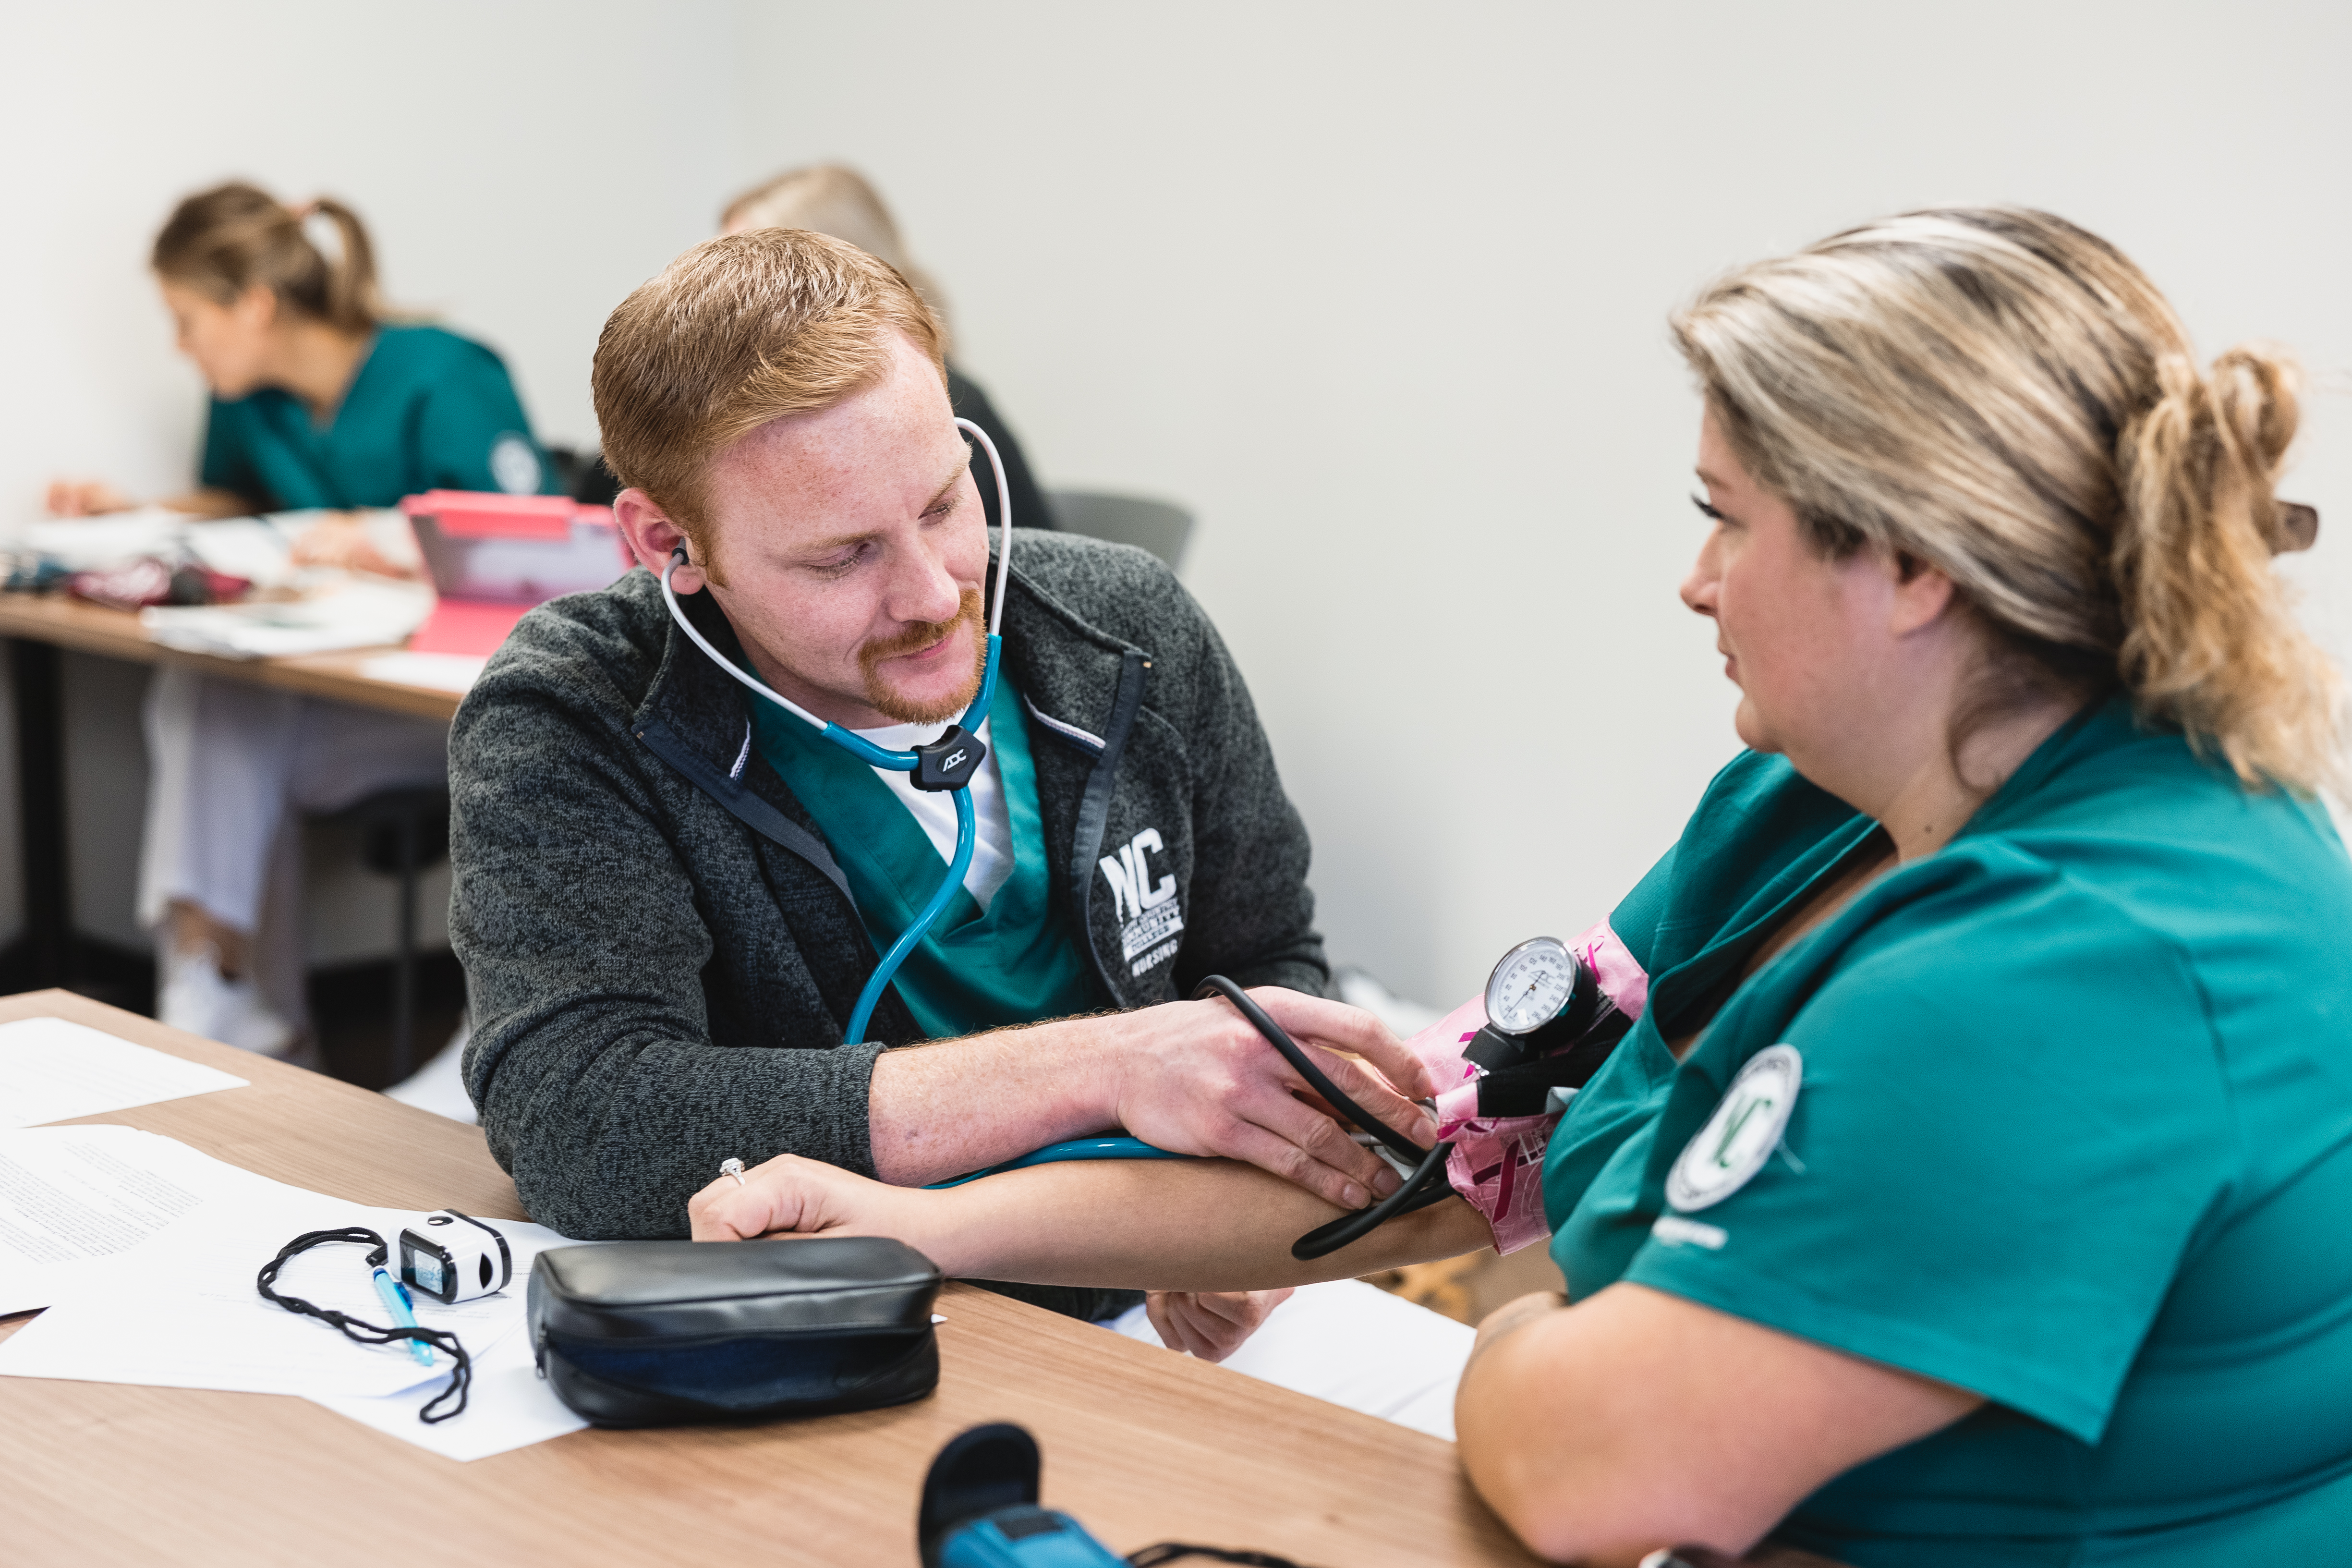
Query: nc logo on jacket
[1148,913]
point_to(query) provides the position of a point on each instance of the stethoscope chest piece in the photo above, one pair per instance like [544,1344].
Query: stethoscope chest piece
[947,762]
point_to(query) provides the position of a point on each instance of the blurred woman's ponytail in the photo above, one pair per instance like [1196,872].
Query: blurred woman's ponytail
[350,298]
[2007,397]
[223,241]
[2208,642]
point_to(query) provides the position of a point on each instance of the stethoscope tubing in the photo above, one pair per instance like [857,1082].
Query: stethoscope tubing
[872,755]
[863,1013]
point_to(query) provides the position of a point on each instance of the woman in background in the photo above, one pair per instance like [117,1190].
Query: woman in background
[317,403]
[827,199]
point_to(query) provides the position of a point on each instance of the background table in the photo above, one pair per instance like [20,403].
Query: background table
[37,627]
[1141,1445]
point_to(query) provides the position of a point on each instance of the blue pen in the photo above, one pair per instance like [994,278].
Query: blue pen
[396,1301]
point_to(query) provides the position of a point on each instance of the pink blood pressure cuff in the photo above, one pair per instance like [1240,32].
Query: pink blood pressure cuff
[1497,1160]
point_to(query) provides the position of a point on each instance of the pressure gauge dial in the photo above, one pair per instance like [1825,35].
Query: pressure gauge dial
[1535,984]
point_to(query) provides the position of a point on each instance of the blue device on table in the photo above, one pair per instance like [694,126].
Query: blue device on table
[979,1508]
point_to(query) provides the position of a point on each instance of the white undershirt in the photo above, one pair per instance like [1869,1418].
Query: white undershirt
[992,851]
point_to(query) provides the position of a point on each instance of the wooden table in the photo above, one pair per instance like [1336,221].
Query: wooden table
[37,626]
[1141,1445]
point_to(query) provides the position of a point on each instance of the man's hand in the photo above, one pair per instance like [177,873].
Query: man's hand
[1192,1077]
[1210,1326]
[1197,1079]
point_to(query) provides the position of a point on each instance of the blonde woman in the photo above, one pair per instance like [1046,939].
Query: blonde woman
[1971,1186]
[317,402]
[828,198]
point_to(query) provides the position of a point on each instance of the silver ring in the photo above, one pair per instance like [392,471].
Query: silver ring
[732,1168]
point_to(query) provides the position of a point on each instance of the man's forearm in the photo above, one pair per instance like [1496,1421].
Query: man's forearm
[942,1109]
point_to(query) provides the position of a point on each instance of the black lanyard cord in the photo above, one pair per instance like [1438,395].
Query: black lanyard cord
[367,1333]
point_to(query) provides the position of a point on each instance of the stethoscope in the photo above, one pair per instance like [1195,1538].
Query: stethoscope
[947,764]
[950,764]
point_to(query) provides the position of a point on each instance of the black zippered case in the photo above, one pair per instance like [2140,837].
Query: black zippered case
[652,1334]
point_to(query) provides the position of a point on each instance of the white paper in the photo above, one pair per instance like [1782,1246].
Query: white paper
[355,613]
[116,539]
[51,1069]
[441,672]
[257,549]
[71,1196]
[509,1406]
[185,1312]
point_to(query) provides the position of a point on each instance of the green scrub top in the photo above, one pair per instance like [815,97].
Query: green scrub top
[1013,963]
[2069,1126]
[427,410]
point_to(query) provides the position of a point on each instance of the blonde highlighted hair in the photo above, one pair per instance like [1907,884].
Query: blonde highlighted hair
[223,241]
[2007,397]
[738,332]
[835,199]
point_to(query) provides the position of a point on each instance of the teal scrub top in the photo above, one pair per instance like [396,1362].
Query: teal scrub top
[427,410]
[1013,963]
[2072,1128]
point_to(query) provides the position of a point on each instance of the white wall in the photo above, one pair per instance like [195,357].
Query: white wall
[521,167]
[1380,288]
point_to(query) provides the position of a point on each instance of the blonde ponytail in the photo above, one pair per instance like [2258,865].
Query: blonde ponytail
[2007,397]
[227,240]
[2210,643]
[348,297]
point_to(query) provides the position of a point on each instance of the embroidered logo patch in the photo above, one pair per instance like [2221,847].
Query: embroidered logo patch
[1741,1134]
[514,467]
[1149,918]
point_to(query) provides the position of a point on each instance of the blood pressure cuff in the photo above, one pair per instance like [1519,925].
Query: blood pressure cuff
[650,1334]
[1498,1160]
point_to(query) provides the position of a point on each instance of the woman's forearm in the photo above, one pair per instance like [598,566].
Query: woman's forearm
[208,502]
[1209,1225]
[1153,1224]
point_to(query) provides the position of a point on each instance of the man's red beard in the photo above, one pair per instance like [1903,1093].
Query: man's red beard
[918,636]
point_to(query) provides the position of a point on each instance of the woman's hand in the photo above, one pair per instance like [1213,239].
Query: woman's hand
[86,498]
[342,541]
[1209,1325]
[801,1197]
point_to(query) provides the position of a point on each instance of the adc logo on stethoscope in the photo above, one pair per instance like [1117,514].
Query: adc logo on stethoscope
[1741,1134]
[1148,916]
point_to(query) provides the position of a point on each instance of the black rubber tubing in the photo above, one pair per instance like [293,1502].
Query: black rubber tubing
[1428,1162]
[1426,1185]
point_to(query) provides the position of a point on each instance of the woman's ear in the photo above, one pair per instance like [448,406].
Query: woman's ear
[654,539]
[1918,593]
[256,309]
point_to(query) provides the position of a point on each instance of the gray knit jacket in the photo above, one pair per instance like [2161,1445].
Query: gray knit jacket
[662,953]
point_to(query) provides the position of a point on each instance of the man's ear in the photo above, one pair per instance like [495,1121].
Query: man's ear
[653,537]
[1918,593]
